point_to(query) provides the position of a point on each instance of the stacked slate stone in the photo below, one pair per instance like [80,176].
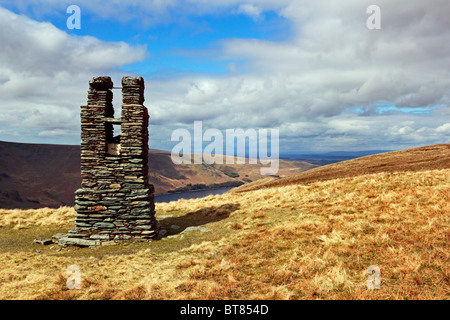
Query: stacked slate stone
[115,202]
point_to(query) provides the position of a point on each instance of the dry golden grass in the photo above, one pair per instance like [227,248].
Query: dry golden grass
[290,242]
[22,219]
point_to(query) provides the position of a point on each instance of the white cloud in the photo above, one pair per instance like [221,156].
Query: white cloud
[250,10]
[308,85]
[444,129]
[44,73]
[333,65]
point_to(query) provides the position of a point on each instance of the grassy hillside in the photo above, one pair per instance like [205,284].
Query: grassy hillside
[416,159]
[291,242]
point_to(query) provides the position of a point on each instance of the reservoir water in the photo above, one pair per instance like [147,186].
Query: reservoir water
[189,195]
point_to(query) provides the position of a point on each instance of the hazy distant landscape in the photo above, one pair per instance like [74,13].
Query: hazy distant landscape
[330,157]
[44,175]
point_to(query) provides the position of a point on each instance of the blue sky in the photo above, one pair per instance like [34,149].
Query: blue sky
[313,70]
[175,48]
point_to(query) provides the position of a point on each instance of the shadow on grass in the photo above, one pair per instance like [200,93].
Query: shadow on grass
[176,225]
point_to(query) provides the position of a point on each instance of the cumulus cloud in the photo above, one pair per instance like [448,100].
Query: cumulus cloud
[333,66]
[325,86]
[250,10]
[44,73]
[444,129]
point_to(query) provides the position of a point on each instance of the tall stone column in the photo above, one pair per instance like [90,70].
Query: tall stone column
[115,201]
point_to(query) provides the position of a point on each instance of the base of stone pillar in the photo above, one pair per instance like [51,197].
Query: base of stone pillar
[90,238]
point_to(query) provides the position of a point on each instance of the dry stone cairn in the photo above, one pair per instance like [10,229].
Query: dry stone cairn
[115,201]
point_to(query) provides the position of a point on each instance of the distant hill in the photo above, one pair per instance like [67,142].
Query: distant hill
[331,157]
[45,175]
[416,159]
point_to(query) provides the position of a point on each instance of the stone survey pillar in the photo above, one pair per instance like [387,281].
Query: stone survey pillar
[115,201]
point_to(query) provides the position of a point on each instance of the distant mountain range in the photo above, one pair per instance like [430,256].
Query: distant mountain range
[45,175]
[331,157]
